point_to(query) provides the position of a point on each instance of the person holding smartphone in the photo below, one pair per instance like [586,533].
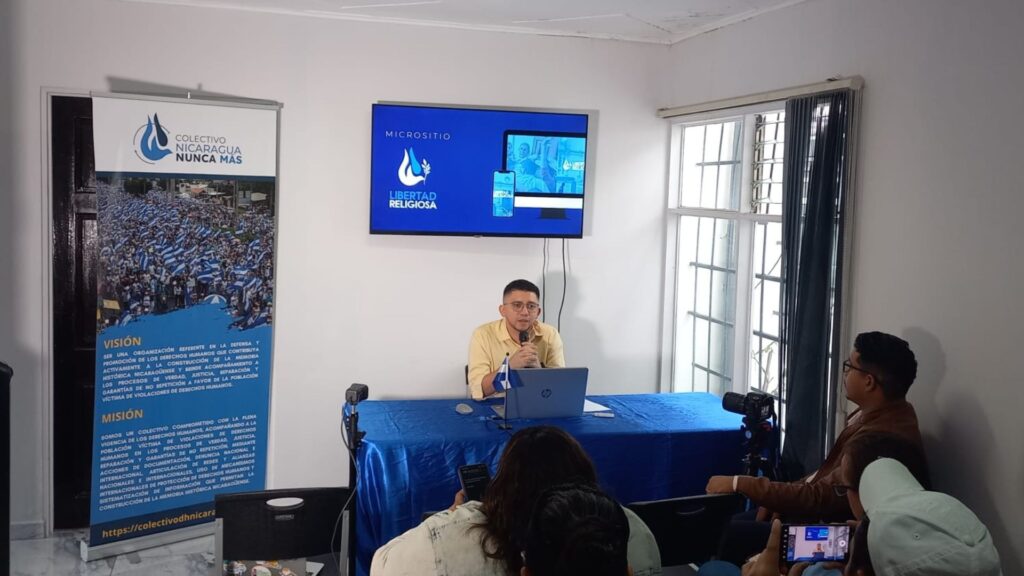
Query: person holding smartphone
[877,377]
[859,453]
[907,530]
[900,527]
[519,335]
[488,538]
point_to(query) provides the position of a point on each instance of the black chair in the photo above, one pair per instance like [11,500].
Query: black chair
[688,529]
[254,525]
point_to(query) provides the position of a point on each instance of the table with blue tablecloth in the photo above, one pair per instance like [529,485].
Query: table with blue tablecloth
[656,446]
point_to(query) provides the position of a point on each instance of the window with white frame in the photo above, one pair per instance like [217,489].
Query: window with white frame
[725,252]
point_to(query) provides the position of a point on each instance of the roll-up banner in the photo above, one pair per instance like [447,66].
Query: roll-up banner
[186,198]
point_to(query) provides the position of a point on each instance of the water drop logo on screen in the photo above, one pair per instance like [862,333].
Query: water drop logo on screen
[153,143]
[411,171]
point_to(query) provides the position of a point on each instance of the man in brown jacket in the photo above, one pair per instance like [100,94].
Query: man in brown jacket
[877,375]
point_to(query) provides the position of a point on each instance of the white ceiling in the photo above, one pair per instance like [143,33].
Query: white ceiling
[653,21]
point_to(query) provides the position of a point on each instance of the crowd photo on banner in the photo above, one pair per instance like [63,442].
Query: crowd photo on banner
[172,244]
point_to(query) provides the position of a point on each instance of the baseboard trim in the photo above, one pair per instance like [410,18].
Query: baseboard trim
[27,530]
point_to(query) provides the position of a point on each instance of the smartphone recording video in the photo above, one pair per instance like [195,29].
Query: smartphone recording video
[814,543]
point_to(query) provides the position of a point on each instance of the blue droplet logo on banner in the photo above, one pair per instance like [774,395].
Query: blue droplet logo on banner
[152,146]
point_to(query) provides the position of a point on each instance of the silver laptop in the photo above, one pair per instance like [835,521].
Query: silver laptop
[546,393]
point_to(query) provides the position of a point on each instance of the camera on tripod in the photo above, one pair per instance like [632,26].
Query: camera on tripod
[353,436]
[761,438]
[356,393]
[757,406]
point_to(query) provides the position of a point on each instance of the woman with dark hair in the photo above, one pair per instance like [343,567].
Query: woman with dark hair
[487,538]
[576,529]
[534,460]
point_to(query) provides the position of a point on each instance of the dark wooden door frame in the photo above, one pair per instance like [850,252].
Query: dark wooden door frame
[50,416]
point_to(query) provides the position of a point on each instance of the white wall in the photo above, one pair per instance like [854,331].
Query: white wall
[940,193]
[393,312]
[936,236]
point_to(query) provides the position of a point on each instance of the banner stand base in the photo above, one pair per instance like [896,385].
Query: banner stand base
[90,553]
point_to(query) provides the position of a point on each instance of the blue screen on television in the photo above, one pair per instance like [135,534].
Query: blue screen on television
[477,172]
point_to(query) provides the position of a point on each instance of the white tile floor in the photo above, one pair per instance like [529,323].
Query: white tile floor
[59,556]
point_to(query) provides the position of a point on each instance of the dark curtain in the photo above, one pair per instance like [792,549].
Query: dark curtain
[814,191]
[5,460]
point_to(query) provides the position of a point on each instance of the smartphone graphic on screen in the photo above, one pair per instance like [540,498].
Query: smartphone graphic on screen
[503,193]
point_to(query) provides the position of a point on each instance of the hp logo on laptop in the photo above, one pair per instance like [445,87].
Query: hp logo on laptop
[545,393]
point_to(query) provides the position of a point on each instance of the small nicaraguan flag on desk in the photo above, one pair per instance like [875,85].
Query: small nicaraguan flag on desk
[506,378]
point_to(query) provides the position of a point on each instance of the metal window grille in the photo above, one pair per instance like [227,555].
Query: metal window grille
[728,281]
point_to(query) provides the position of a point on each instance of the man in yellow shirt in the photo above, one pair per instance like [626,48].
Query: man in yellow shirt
[527,342]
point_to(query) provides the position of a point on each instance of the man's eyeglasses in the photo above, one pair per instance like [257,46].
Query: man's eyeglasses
[518,306]
[841,489]
[847,366]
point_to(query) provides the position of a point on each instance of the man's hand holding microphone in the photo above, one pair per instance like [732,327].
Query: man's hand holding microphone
[526,356]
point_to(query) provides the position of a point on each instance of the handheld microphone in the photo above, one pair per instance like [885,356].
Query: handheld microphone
[524,337]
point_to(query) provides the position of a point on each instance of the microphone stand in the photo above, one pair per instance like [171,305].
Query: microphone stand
[350,423]
[524,337]
[504,425]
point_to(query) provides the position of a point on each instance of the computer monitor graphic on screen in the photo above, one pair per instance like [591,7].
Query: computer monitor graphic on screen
[549,170]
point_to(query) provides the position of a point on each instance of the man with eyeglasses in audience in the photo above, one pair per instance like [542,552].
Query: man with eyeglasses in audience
[528,342]
[877,376]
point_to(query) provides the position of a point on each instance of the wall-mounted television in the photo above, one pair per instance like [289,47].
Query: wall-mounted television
[477,172]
